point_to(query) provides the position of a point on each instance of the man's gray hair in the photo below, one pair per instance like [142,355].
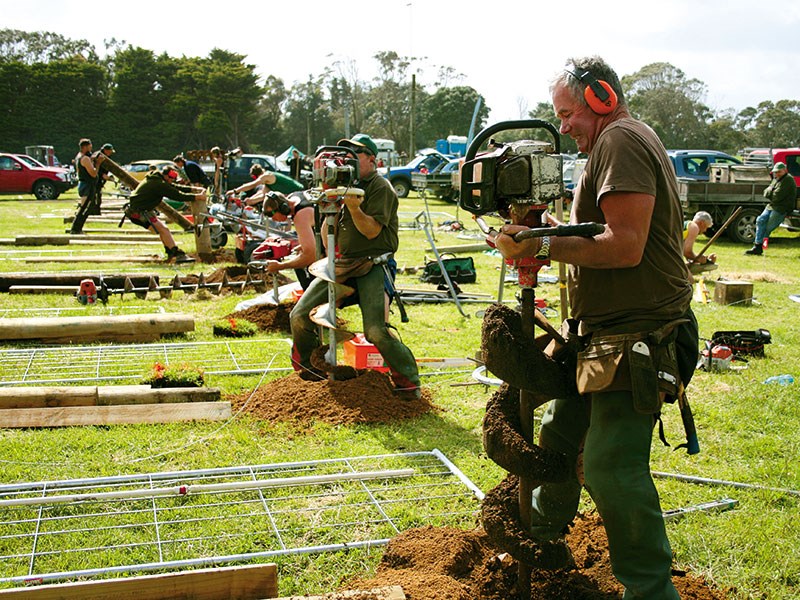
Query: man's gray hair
[599,70]
[703,216]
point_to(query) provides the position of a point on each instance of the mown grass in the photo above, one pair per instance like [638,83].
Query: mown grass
[747,428]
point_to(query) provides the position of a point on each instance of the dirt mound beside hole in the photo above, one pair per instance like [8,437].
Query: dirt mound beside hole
[441,563]
[368,398]
[268,317]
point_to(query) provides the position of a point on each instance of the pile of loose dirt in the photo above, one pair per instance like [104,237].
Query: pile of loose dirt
[368,398]
[268,317]
[442,563]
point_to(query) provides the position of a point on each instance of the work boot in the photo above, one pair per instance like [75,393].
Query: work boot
[408,393]
[756,250]
[311,374]
[179,255]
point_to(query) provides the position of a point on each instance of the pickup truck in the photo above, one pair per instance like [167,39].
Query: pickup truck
[20,174]
[695,164]
[426,161]
[440,181]
[731,186]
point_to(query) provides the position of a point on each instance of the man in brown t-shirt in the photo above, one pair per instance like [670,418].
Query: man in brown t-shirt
[630,280]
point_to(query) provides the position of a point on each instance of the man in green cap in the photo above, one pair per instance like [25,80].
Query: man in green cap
[366,228]
[782,196]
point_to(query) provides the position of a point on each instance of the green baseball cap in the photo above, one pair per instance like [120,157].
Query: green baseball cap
[779,166]
[360,140]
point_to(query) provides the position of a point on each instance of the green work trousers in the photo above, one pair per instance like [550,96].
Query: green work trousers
[370,288]
[616,466]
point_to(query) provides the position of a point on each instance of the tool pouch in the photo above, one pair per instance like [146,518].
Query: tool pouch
[598,364]
[644,378]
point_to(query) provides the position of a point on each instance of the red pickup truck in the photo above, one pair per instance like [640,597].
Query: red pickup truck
[20,174]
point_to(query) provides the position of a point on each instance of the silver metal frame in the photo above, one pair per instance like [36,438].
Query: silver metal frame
[256,519]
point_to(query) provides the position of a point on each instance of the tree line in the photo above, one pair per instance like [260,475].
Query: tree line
[55,90]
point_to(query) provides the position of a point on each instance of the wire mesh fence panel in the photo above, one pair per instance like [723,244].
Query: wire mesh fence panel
[55,530]
[78,364]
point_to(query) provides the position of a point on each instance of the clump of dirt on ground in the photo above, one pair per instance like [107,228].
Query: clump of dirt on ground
[268,317]
[443,563]
[368,398]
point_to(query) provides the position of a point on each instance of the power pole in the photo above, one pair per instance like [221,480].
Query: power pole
[411,151]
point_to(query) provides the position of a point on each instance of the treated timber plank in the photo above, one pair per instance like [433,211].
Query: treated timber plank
[43,289]
[113,280]
[104,327]
[69,416]
[59,239]
[96,259]
[92,395]
[248,582]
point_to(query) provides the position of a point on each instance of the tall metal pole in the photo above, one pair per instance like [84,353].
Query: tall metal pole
[411,144]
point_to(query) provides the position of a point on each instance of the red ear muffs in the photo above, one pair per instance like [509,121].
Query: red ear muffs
[601,103]
[599,95]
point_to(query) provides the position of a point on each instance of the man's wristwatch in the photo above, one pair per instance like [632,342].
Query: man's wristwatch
[544,249]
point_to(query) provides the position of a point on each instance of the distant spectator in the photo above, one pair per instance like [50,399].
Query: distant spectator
[296,164]
[219,167]
[781,194]
[193,171]
[700,223]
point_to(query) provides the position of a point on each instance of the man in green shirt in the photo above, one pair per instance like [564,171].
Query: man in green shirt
[782,196]
[366,227]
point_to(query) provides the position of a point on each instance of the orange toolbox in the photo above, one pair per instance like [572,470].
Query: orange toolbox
[360,354]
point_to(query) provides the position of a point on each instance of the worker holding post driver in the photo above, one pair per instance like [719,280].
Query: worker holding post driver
[630,293]
[366,228]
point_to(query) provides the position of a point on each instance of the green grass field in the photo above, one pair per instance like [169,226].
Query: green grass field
[747,429]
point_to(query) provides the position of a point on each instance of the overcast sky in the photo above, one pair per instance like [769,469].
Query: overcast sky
[745,52]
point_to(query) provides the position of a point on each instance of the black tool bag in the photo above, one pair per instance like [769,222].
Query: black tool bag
[460,270]
[743,342]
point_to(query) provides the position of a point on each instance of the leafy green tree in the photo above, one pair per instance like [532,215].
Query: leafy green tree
[544,112]
[388,111]
[773,124]
[448,111]
[268,133]
[40,105]
[663,97]
[138,96]
[308,120]
[41,47]
[347,93]
[724,135]
[228,93]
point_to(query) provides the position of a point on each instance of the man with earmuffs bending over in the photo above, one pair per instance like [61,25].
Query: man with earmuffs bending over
[630,293]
